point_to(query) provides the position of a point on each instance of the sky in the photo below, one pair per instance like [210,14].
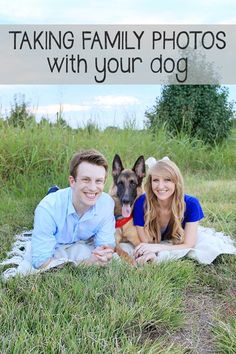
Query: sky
[105,105]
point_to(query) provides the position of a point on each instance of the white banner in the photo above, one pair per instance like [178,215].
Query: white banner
[117,54]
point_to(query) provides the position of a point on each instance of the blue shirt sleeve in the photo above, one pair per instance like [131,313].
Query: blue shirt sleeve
[43,237]
[193,210]
[105,233]
[138,211]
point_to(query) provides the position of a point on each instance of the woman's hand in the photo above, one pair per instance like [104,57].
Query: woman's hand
[145,248]
[147,257]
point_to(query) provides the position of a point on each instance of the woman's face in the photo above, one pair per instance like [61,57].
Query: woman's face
[162,186]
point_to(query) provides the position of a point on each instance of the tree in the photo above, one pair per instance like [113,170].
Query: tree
[19,113]
[201,111]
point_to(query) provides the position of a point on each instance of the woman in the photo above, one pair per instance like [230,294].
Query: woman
[165,213]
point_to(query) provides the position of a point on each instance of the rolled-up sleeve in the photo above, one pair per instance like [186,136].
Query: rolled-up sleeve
[43,237]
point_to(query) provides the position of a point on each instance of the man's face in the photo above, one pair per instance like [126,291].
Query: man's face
[88,186]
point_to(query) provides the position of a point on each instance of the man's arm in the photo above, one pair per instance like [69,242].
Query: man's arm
[104,239]
[105,234]
[43,238]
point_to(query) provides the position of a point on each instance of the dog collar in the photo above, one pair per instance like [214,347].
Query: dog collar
[121,222]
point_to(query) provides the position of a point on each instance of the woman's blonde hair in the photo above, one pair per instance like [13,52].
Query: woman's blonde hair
[167,169]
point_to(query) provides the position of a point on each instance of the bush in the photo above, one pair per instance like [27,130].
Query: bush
[20,116]
[201,111]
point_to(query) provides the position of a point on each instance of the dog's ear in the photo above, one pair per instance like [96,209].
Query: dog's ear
[117,167]
[139,169]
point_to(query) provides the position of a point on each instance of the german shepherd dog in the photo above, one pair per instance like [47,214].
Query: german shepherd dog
[127,186]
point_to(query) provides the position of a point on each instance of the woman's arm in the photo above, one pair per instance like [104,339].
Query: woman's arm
[190,238]
[143,236]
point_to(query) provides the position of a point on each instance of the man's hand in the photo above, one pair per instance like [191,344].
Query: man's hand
[100,256]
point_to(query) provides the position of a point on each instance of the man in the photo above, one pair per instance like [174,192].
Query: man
[75,214]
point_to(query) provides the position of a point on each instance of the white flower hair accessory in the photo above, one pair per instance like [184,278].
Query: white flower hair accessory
[151,161]
[165,158]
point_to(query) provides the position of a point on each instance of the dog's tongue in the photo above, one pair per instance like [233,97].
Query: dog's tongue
[126,210]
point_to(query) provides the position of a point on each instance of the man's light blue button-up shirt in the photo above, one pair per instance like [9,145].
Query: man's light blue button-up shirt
[56,222]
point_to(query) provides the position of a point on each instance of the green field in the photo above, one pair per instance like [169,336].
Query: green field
[176,307]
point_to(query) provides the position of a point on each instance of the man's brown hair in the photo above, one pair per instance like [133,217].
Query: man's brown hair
[91,156]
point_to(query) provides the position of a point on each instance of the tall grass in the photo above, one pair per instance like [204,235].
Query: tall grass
[45,150]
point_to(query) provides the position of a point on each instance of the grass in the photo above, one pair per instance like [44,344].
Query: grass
[174,307]
[225,332]
[94,310]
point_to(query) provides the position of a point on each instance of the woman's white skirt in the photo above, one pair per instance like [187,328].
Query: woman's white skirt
[210,244]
